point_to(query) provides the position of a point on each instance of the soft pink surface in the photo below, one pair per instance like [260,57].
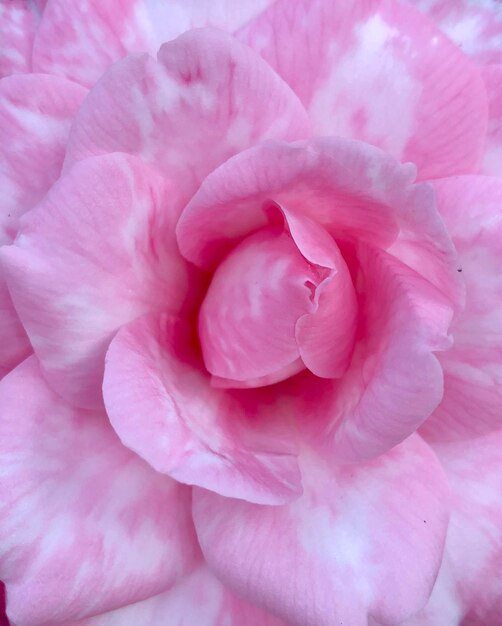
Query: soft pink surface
[377,70]
[18,23]
[332,555]
[162,405]
[85,525]
[472,209]
[492,160]
[206,98]
[469,585]
[72,289]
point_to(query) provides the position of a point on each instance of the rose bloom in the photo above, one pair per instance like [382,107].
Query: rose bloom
[251,312]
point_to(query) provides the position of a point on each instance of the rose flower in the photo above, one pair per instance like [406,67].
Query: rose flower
[251,312]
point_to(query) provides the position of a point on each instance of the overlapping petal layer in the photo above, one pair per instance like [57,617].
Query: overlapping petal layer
[97,252]
[206,98]
[18,23]
[472,209]
[332,556]
[381,72]
[492,159]
[162,405]
[85,525]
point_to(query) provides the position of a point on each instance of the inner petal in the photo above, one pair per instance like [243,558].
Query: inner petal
[248,318]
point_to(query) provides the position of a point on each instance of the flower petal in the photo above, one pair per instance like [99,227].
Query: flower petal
[476,27]
[18,23]
[342,552]
[492,161]
[163,407]
[381,72]
[85,525]
[98,251]
[197,600]
[13,339]
[472,209]
[206,98]
[467,590]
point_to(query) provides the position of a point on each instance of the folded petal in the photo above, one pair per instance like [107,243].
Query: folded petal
[476,27]
[98,251]
[18,23]
[381,72]
[467,590]
[492,159]
[36,112]
[472,209]
[15,345]
[162,405]
[85,525]
[199,600]
[206,98]
[363,542]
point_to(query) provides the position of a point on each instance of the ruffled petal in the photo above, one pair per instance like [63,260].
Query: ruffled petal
[363,542]
[97,252]
[475,26]
[472,209]
[206,98]
[18,23]
[85,525]
[198,600]
[162,405]
[467,590]
[492,159]
[381,72]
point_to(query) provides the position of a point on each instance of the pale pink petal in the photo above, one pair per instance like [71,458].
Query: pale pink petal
[468,588]
[79,40]
[474,25]
[15,345]
[18,23]
[363,543]
[206,98]
[472,209]
[394,381]
[161,404]
[381,72]
[36,112]
[97,252]
[86,526]
[492,160]
[197,600]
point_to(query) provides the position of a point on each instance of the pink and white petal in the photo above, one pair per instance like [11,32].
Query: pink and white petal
[472,209]
[86,526]
[474,25]
[206,98]
[469,584]
[80,40]
[197,600]
[394,381]
[162,405]
[36,111]
[15,345]
[381,72]
[341,553]
[18,23]
[97,252]
[357,192]
[492,160]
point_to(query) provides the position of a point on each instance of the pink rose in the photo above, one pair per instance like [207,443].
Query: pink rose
[250,312]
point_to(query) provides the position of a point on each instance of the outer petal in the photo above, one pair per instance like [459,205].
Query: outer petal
[205,99]
[468,588]
[342,552]
[381,72]
[85,525]
[163,407]
[98,251]
[474,25]
[18,22]
[80,40]
[472,209]
[492,161]
[15,345]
